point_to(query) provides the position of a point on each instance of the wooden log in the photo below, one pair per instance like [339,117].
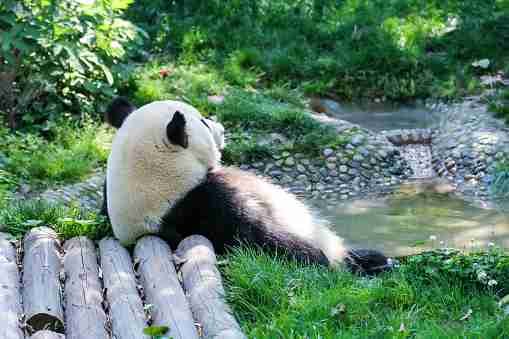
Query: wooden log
[162,288]
[126,308]
[84,314]
[47,335]
[10,295]
[202,282]
[42,292]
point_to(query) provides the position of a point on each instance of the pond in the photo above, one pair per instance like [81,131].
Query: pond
[421,215]
[377,116]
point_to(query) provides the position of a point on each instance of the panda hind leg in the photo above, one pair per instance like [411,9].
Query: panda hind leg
[289,246]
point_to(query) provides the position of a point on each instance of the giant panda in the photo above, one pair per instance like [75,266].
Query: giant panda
[164,177]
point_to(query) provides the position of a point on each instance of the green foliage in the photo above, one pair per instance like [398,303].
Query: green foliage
[68,152]
[500,185]
[60,56]
[164,80]
[18,217]
[156,332]
[397,49]
[485,269]
[278,108]
[7,184]
[242,148]
[500,105]
[282,92]
[259,114]
[273,298]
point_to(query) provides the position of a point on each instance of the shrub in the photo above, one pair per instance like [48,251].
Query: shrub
[60,56]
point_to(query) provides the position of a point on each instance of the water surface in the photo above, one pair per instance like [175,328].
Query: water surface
[402,224]
[379,116]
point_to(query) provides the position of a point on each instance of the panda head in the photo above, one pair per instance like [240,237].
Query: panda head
[163,130]
[121,108]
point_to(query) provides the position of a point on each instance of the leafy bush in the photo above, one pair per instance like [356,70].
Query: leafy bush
[58,56]
[500,105]
[242,149]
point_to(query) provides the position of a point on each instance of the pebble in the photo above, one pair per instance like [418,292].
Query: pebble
[328,152]
[289,161]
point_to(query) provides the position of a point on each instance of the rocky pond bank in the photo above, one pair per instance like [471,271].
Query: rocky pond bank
[467,143]
[462,145]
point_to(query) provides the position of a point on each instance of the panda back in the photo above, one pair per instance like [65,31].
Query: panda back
[233,205]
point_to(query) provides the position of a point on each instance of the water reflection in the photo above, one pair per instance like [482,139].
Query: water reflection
[376,116]
[402,224]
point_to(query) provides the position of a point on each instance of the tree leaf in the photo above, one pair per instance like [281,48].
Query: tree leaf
[107,73]
[120,4]
[6,39]
[156,330]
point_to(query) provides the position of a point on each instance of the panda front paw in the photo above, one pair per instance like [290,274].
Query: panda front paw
[369,262]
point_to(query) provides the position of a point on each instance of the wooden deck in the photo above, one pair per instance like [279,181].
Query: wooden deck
[80,289]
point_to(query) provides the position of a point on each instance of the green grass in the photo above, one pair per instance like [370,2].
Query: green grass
[276,299]
[398,49]
[261,114]
[18,217]
[66,153]
[278,108]
[500,105]
[163,79]
[500,185]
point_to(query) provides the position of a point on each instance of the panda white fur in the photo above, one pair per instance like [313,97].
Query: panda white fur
[164,177]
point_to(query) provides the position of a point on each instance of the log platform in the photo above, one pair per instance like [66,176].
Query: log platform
[79,289]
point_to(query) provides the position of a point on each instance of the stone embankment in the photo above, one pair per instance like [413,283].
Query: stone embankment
[462,145]
[467,143]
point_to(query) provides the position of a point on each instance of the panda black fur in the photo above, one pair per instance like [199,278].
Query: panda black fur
[164,177]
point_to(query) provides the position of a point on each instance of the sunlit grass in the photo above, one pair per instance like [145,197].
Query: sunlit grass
[18,217]
[68,154]
[276,299]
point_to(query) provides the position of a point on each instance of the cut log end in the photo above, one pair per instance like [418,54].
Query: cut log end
[47,321]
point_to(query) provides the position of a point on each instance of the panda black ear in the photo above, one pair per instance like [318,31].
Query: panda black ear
[176,130]
[117,111]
